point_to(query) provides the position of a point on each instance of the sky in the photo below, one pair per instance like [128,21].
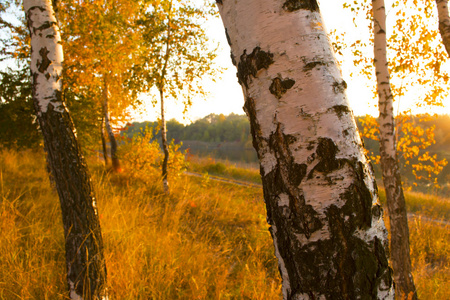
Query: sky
[225,95]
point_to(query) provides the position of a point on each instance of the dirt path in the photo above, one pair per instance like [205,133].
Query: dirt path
[411,216]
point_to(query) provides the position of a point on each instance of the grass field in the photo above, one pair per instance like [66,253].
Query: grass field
[206,240]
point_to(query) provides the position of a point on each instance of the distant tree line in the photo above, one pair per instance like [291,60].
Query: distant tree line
[236,128]
[212,128]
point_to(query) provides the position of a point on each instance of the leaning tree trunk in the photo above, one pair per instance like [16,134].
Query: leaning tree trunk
[401,261]
[164,143]
[444,23]
[86,271]
[320,193]
[112,139]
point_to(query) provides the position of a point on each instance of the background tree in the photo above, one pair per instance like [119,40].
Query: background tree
[175,56]
[418,80]
[399,241]
[18,128]
[102,42]
[320,194]
[86,270]
[444,23]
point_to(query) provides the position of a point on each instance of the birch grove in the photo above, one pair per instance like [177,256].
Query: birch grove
[320,193]
[401,261]
[86,271]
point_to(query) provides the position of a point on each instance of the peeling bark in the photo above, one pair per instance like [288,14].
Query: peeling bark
[400,257]
[86,271]
[320,193]
[444,23]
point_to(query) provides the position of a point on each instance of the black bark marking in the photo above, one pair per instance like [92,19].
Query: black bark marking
[385,272]
[219,1]
[298,172]
[293,5]
[357,197]
[45,62]
[358,201]
[279,86]
[250,110]
[45,25]
[228,37]
[326,152]
[308,217]
[377,211]
[340,110]
[250,64]
[285,178]
[311,65]
[339,87]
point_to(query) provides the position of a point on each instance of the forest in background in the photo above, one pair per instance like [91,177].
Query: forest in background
[211,134]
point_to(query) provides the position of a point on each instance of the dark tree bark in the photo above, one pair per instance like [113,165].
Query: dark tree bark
[319,189]
[86,270]
[112,139]
[400,257]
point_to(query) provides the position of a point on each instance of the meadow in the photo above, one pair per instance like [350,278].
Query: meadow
[205,240]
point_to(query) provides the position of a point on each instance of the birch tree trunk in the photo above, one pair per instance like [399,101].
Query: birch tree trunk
[320,193]
[112,140]
[164,143]
[401,261]
[86,271]
[444,23]
[102,135]
[161,85]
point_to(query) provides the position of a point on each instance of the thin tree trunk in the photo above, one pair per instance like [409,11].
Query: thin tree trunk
[161,94]
[319,189]
[164,144]
[400,257]
[102,134]
[112,140]
[86,270]
[444,23]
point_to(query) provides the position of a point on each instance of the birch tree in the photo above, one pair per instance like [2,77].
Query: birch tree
[320,193]
[401,261]
[444,23]
[101,42]
[86,271]
[176,57]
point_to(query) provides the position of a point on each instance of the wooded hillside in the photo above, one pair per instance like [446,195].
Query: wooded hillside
[235,129]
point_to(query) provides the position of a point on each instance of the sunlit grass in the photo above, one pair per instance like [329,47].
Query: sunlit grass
[430,206]
[205,240]
[224,168]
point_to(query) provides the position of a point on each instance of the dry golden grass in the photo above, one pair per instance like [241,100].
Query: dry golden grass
[206,240]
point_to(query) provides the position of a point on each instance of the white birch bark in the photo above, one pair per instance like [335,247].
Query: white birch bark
[46,65]
[86,270]
[319,190]
[444,23]
[401,261]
